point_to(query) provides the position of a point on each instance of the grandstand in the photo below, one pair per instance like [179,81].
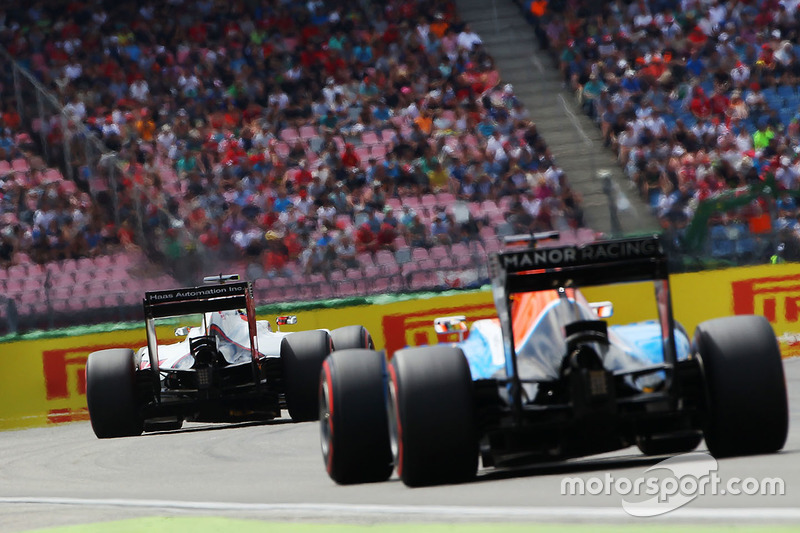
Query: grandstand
[698,99]
[347,148]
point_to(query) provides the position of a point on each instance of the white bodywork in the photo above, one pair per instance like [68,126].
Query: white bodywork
[230,330]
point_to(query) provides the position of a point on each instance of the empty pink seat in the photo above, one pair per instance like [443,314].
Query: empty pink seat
[387,135]
[384,257]
[52,175]
[365,260]
[67,187]
[308,132]
[412,202]
[379,151]
[353,274]
[427,264]
[20,165]
[390,269]
[459,249]
[429,200]
[445,198]
[282,149]
[369,138]
[491,245]
[438,253]
[423,280]
[372,272]
[325,291]
[347,288]
[394,203]
[418,254]
[363,153]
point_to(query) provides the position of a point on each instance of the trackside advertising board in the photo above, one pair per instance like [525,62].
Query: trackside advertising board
[42,380]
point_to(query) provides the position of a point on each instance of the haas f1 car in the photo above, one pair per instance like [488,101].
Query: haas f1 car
[230,368]
[549,379]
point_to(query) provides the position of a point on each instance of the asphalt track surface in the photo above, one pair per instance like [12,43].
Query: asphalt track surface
[63,475]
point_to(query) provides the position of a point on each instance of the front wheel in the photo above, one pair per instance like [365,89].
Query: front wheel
[748,411]
[111,394]
[354,430]
[432,416]
[302,354]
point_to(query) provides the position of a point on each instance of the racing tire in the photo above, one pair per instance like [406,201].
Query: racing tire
[111,394]
[432,425]
[669,444]
[352,337]
[747,407]
[354,426]
[302,354]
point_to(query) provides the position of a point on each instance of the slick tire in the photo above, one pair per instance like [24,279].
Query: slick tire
[111,394]
[352,337]
[354,427]
[748,410]
[432,416]
[302,354]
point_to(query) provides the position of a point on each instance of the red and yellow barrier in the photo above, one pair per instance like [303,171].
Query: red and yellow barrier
[43,381]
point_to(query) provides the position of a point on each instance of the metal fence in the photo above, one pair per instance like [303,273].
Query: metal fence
[64,143]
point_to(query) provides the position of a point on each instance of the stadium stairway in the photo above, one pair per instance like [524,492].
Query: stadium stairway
[571,136]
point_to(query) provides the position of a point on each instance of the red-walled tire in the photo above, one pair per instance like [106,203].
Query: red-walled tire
[748,411]
[432,416]
[354,430]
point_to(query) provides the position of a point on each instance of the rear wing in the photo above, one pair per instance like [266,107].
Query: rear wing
[223,296]
[559,267]
[597,263]
[191,300]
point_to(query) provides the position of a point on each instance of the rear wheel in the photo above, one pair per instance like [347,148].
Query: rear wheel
[351,337]
[354,430]
[111,394]
[748,411]
[431,416]
[302,354]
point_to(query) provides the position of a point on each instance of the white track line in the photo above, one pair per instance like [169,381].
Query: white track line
[438,511]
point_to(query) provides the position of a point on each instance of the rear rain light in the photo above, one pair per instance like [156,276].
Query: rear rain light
[203,378]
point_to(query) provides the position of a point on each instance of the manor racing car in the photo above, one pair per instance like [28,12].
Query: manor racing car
[549,379]
[231,367]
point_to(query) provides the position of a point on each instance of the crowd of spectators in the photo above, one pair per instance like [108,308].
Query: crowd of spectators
[696,97]
[285,133]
